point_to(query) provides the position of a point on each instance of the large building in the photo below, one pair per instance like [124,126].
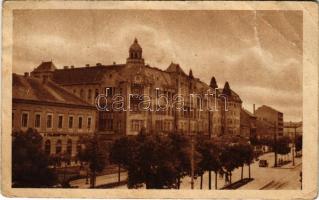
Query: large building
[271,117]
[137,84]
[59,116]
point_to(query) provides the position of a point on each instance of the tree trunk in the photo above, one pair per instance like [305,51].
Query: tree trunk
[201,181]
[209,179]
[249,171]
[242,172]
[215,180]
[230,177]
[93,179]
[179,182]
[119,174]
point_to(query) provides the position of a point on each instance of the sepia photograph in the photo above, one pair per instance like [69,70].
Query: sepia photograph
[132,99]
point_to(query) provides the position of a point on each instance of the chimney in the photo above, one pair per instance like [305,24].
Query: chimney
[87,65]
[72,66]
[66,67]
[26,74]
[98,64]
[254,109]
[114,63]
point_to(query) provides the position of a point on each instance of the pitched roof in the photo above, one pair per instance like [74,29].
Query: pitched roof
[233,95]
[84,75]
[267,107]
[45,66]
[247,112]
[175,68]
[29,88]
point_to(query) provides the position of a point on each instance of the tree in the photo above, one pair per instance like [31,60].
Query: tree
[298,142]
[153,165]
[119,153]
[230,159]
[210,153]
[94,154]
[30,165]
[154,160]
[181,152]
[247,152]
[282,145]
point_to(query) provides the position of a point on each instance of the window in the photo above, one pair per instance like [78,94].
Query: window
[119,125]
[47,147]
[70,121]
[89,94]
[58,147]
[37,121]
[78,147]
[49,121]
[109,124]
[69,147]
[96,92]
[89,122]
[60,121]
[80,123]
[109,91]
[137,125]
[24,121]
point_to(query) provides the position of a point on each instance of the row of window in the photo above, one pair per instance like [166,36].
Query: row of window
[49,121]
[58,147]
[110,91]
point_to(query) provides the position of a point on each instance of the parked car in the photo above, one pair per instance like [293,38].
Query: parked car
[263,163]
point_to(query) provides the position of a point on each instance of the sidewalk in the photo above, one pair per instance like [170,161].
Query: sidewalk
[100,180]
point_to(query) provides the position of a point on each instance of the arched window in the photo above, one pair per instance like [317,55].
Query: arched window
[69,147]
[47,147]
[58,147]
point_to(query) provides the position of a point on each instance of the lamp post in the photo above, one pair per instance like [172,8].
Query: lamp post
[192,164]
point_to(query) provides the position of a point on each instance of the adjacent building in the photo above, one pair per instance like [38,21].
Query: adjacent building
[291,129]
[59,116]
[248,126]
[272,118]
[137,83]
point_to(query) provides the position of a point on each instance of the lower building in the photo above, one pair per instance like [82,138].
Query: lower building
[247,124]
[291,129]
[59,116]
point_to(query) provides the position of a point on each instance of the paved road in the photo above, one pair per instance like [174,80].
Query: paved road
[283,178]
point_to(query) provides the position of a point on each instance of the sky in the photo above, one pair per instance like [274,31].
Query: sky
[258,52]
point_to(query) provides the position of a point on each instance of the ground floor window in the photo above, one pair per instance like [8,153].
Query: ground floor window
[58,147]
[69,147]
[47,147]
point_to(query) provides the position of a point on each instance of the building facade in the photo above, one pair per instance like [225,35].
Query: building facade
[272,117]
[138,85]
[291,129]
[247,124]
[60,117]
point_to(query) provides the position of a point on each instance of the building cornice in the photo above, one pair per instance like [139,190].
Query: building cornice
[58,104]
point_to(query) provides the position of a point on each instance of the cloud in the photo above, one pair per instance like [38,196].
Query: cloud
[259,53]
